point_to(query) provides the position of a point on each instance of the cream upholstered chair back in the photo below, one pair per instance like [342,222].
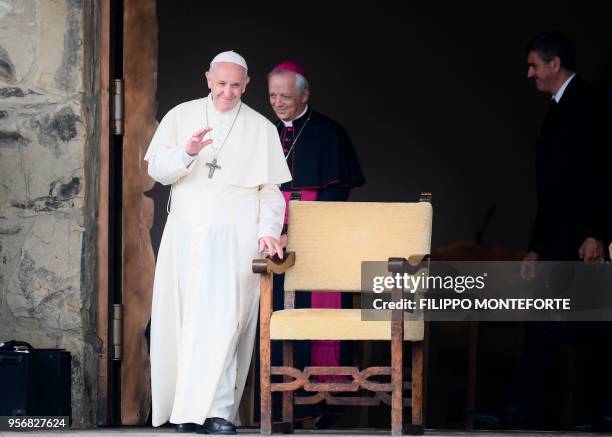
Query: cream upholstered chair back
[331,239]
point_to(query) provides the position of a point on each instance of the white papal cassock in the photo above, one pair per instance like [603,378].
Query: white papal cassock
[205,296]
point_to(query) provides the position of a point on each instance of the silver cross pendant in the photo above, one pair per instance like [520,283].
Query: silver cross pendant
[212,167]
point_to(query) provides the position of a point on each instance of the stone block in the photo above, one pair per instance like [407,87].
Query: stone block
[17,39]
[60,46]
[46,285]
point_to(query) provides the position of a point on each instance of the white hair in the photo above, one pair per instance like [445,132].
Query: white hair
[301,83]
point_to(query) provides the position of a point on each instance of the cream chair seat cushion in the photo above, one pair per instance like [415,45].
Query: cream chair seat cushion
[334,324]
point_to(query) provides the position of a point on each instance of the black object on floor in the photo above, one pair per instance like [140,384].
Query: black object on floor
[35,383]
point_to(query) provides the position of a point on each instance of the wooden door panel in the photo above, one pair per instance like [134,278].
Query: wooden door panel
[139,74]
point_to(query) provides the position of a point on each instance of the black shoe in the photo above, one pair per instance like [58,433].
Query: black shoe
[602,425]
[605,424]
[326,420]
[512,418]
[186,427]
[489,420]
[216,425]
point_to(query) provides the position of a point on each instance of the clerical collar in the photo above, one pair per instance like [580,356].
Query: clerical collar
[290,122]
[559,93]
[216,111]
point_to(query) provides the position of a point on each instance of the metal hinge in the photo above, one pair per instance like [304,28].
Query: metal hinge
[117,332]
[117,108]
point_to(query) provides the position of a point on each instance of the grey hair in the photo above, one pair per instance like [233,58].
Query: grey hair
[301,83]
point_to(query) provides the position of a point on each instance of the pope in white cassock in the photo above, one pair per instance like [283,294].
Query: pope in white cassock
[224,161]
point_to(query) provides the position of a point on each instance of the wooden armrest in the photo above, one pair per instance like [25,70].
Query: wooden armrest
[274,265]
[412,264]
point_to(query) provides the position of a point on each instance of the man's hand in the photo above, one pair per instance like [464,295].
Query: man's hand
[196,143]
[591,250]
[610,250]
[528,265]
[271,246]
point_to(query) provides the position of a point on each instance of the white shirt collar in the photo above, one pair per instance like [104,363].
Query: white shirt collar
[561,90]
[290,122]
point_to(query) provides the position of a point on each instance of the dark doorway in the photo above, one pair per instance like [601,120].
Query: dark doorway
[435,99]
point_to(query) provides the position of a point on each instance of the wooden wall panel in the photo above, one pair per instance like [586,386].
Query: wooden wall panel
[140,73]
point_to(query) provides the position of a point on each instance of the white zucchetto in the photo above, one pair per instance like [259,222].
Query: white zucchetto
[230,56]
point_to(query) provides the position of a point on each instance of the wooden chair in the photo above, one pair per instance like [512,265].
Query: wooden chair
[327,243]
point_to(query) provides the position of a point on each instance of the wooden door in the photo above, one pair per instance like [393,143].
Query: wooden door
[139,75]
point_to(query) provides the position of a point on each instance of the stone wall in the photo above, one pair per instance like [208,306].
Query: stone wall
[48,161]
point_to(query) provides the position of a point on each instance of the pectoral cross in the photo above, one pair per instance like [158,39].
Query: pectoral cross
[212,167]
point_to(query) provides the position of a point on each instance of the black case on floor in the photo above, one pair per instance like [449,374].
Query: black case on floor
[16,386]
[35,383]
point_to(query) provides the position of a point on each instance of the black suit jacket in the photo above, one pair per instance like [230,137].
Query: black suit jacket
[572,192]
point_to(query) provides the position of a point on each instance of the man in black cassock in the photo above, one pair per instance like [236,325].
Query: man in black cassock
[324,167]
[318,150]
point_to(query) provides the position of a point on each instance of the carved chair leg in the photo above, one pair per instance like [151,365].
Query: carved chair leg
[416,427]
[264,350]
[288,395]
[397,381]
